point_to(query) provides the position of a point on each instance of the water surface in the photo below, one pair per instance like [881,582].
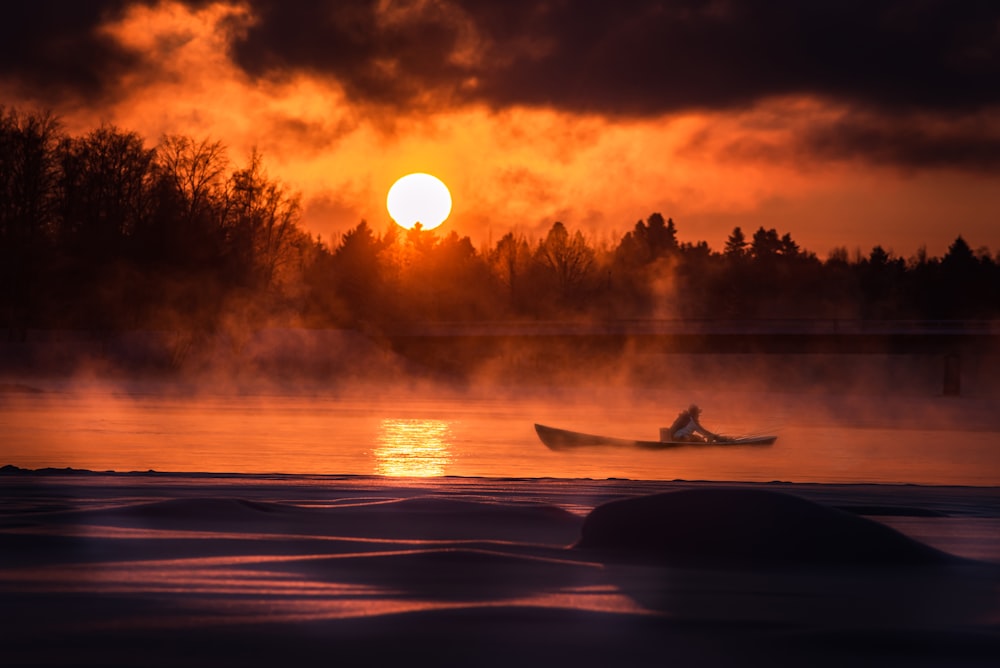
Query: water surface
[820,440]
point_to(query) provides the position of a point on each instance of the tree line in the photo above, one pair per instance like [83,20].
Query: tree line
[102,232]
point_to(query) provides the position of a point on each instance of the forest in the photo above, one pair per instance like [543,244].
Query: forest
[102,232]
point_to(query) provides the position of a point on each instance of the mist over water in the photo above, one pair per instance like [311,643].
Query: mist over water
[437,430]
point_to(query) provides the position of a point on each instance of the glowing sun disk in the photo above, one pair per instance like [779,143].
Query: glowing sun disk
[419,198]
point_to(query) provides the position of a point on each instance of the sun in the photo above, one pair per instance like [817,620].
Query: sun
[419,198]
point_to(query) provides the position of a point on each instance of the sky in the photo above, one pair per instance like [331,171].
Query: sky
[846,123]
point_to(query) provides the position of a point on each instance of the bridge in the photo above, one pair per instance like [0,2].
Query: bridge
[956,343]
[725,336]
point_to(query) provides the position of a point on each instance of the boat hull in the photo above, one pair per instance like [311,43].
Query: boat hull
[563,439]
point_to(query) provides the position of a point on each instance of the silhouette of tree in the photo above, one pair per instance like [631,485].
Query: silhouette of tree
[698,251]
[838,286]
[878,258]
[660,236]
[959,256]
[358,273]
[786,282]
[260,224]
[100,231]
[765,244]
[456,280]
[106,194]
[509,261]
[924,286]
[28,179]
[440,278]
[880,285]
[963,281]
[694,274]
[567,258]
[642,264]
[188,224]
[106,198]
[787,247]
[648,241]
[838,256]
[736,244]
[28,174]
[195,170]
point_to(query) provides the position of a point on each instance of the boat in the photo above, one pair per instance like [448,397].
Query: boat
[563,439]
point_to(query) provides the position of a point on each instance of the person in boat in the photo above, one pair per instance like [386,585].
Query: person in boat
[687,428]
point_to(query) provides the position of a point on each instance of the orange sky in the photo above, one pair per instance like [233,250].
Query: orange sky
[823,163]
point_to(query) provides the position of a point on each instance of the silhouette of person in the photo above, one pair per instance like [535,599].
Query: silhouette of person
[687,427]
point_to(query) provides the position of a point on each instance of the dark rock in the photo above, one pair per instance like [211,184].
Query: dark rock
[736,526]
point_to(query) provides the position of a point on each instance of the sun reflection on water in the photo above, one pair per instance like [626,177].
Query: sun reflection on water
[413,447]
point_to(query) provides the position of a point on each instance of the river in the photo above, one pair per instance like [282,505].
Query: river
[438,432]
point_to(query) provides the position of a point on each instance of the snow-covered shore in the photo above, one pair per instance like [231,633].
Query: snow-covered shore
[208,569]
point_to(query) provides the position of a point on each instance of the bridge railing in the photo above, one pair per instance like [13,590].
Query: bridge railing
[705,326]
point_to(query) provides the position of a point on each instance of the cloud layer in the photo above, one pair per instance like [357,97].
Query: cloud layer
[927,64]
[54,48]
[641,57]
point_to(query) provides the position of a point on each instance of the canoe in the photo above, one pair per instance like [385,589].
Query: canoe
[562,439]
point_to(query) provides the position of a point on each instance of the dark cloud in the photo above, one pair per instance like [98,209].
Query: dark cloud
[632,57]
[885,59]
[643,57]
[970,143]
[379,58]
[903,67]
[53,48]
